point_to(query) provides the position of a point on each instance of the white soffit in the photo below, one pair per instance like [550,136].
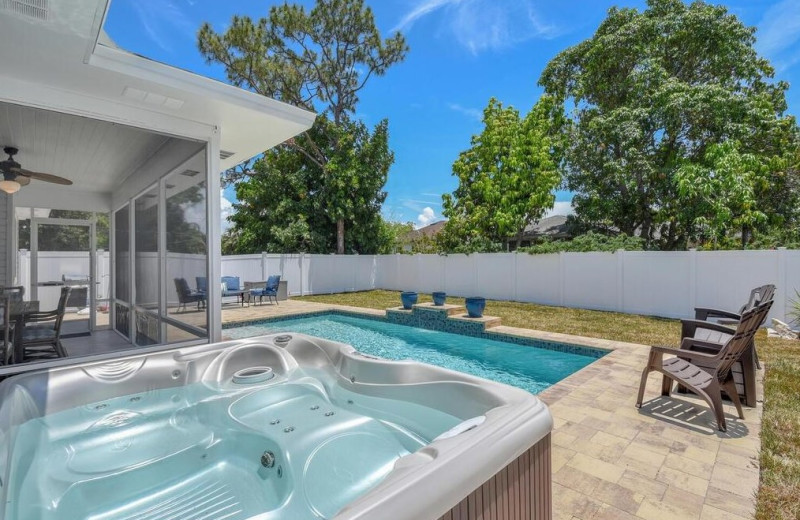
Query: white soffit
[44,63]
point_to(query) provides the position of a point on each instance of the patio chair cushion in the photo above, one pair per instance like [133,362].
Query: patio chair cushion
[38,333]
[231,283]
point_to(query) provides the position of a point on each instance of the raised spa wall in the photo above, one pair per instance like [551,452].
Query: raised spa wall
[520,491]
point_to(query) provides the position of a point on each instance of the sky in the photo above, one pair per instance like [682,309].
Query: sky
[463,52]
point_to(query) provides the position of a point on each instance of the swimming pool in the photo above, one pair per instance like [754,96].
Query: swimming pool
[530,368]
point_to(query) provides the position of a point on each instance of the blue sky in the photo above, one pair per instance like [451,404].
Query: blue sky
[462,53]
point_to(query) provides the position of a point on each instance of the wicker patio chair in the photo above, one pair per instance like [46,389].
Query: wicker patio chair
[706,382]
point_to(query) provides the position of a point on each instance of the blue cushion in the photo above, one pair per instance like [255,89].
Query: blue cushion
[231,282]
[202,283]
[38,333]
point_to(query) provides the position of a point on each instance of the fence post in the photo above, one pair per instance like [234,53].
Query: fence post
[562,259]
[514,277]
[620,280]
[302,278]
[780,312]
[264,274]
[692,292]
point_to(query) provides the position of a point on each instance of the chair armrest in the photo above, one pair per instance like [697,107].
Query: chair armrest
[688,327]
[690,354]
[686,352]
[703,313]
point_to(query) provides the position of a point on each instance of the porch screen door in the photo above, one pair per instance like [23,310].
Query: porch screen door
[62,255]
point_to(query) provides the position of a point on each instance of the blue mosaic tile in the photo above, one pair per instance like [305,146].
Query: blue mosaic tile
[437,319]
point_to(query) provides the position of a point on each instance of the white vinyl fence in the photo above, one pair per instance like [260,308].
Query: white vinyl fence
[666,284]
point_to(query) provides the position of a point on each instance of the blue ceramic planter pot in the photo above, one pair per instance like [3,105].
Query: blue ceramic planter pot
[439,298]
[475,306]
[408,299]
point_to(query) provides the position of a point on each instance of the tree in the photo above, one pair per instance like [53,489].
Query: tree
[505,179]
[319,60]
[653,93]
[284,206]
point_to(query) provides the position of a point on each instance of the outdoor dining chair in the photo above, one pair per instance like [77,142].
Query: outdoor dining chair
[41,332]
[709,381]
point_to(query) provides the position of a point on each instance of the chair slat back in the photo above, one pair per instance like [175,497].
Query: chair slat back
[5,315]
[748,326]
[15,294]
[62,307]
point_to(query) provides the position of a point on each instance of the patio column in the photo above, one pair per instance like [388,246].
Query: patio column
[214,238]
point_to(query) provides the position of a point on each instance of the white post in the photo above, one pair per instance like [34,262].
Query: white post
[562,259]
[692,292]
[264,273]
[620,280]
[302,278]
[780,305]
[514,277]
[214,237]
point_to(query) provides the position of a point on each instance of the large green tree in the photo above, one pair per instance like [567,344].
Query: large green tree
[284,206]
[319,59]
[670,103]
[505,179]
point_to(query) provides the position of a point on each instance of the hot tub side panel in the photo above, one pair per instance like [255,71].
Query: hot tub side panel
[520,491]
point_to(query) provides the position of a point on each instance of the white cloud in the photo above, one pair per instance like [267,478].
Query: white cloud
[426,217]
[482,25]
[778,35]
[472,113]
[563,207]
[226,210]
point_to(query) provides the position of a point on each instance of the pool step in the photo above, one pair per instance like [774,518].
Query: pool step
[450,310]
[446,318]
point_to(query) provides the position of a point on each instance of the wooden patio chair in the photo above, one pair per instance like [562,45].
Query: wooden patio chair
[709,381]
[41,333]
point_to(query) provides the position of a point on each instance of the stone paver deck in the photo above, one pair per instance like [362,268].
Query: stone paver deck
[611,460]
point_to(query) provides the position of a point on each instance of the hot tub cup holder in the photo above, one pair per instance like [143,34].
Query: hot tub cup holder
[253,375]
[282,340]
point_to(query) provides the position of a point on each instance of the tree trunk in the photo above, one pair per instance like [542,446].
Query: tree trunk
[340,236]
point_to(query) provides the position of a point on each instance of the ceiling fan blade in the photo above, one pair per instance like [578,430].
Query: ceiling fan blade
[46,177]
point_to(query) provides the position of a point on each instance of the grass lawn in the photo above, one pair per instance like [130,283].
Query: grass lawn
[779,493]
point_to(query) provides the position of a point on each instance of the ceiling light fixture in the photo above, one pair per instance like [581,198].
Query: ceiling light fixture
[10,187]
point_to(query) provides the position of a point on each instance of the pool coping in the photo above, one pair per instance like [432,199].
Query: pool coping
[512,335]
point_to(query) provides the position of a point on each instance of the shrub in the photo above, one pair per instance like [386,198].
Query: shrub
[588,242]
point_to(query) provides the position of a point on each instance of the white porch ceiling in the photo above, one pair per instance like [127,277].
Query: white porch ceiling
[95,155]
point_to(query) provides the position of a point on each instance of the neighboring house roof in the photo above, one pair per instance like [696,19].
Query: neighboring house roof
[553,227]
[431,230]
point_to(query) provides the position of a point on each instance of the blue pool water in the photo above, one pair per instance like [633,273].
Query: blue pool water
[530,368]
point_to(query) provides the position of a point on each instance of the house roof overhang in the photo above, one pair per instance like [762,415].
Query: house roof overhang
[59,58]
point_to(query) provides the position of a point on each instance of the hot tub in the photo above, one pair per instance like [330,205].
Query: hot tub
[289,427]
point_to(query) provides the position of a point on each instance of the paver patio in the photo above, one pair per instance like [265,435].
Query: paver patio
[611,460]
